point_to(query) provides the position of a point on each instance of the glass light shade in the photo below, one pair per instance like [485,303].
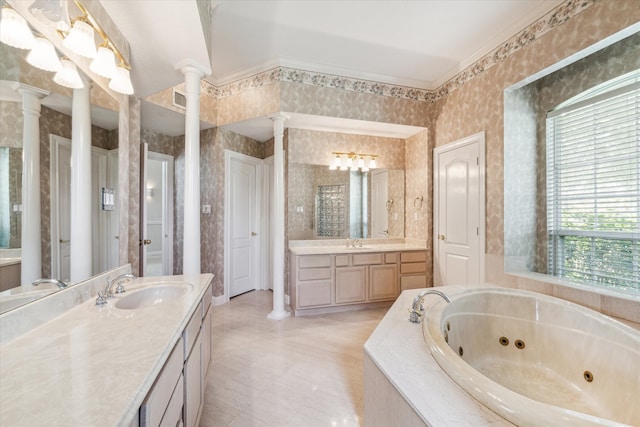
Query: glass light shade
[372,163]
[121,82]
[343,163]
[105,63]
[360,163]
[365,168]
[68,76]
[81,40]
[349,162]
[14,30]
[335,164]
[44,56]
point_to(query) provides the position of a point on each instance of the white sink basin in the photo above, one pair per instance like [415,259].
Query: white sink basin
[154,295]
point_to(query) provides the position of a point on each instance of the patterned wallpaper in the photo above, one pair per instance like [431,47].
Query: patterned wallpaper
[479,104]
[418,173]
[315,147]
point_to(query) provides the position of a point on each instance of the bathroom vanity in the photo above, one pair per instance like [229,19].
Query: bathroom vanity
[139,360]
[326,278]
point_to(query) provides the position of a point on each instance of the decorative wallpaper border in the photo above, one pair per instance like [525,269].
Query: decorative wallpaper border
[551,20]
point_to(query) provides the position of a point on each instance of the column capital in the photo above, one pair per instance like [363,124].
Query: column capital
[192,66]
[24,89]
[279,116]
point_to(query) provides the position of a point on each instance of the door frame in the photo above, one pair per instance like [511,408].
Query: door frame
[228,156]
[477,138]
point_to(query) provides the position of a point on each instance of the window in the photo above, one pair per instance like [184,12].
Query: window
[593,185]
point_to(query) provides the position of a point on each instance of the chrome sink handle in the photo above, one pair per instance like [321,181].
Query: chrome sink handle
[101,300]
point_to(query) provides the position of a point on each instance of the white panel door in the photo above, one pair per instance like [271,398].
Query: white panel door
[243,223]
[379,197]
[459,209]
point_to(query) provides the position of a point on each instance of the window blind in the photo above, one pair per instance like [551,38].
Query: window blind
[593,189]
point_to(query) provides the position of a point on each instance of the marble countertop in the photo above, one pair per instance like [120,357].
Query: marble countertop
[398,349]
[367,248]
[92,365]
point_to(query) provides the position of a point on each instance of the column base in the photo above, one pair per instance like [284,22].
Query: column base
[278,315]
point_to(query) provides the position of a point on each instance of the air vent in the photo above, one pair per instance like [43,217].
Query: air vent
[179,99]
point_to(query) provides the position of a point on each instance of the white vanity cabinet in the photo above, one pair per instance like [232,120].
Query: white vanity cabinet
[178,393]
[334,282]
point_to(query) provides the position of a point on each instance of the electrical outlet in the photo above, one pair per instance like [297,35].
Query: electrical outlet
[206,209]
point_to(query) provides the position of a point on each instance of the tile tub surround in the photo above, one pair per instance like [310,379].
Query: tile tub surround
[91,365]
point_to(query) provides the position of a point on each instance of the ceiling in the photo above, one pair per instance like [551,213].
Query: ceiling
[415,43]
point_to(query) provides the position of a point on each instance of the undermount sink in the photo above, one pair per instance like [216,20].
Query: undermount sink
[154,295]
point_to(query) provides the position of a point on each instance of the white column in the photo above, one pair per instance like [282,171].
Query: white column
[278,312]
[31,220]
[80,230]
[191,248]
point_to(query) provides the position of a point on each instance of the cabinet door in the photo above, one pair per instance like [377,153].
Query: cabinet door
[351,284]
[383,282]
[193,383]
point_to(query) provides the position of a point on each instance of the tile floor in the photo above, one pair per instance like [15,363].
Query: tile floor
[301,371]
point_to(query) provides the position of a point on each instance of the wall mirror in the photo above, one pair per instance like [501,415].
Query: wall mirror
[526,229]
[335,204]
[55,148]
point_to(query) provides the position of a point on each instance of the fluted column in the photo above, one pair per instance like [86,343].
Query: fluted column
[278,312]
[80,230]
[191,248]
[31,267]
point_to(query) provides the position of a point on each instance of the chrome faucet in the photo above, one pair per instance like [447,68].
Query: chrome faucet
[415,312]
[107,293]
[59,283]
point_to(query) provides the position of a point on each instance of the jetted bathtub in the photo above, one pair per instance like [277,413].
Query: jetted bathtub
[537,360]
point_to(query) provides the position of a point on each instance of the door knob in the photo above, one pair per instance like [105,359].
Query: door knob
[441,237]
[253,233]
[146,241]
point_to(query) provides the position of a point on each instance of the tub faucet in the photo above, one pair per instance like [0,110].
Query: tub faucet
[59,283]
[415,312]
[108,293]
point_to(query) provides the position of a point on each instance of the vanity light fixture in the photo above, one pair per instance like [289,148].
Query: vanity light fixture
[353,161]
[14,30]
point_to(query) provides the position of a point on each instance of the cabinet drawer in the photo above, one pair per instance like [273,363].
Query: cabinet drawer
[193,384]
[342,260]
[413,256]
[413,282]
[191,331]
[413,267]
[154,405]
[312,261]
[314,294]
[367,259]
[390,257]
[314,274]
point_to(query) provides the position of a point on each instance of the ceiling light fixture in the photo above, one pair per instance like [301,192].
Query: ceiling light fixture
[353,161]
[81,39]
